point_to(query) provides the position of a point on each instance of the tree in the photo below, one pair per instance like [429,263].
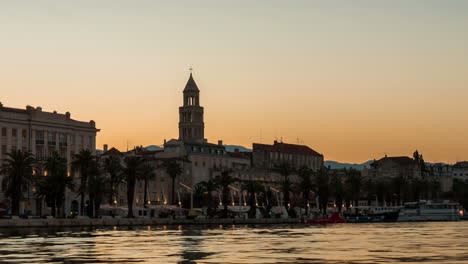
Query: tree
[285,170]
[252,188]
[338,190]
[173,169]
[322,182]
[354,184]
[206,188]
[98,188]
[224,181]
[148,174]
[132,171]
[54,185]
[17,170]
[305,185]
[112,165]
[83,163]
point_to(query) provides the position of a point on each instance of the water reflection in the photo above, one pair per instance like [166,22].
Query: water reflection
[342,243]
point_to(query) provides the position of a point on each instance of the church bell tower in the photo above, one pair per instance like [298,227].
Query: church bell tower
[191,125]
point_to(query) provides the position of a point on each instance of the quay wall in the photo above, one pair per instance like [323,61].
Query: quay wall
[33,223]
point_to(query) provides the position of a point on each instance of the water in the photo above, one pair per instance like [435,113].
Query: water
[442,242]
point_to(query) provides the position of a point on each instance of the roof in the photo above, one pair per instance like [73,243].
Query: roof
[403,160]
[286,148]
[112,152]
[191,85]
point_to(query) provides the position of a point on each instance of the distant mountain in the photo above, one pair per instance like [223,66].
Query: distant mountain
[231,148]
[338,165]
[153,148]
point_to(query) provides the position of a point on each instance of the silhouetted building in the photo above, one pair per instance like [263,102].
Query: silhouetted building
[392,167]
[297,156]
[191,126]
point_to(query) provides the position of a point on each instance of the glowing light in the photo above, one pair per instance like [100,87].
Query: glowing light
[233,204]
[220,203]
[256,204]
[350,205]
[308,205]
[45,173]
[115,201]
[165,201]
[461,212]
[289,205]
[334,205]
[149,202]
[245,204]
[68,174]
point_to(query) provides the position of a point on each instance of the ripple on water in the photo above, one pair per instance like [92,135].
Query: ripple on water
[342,243]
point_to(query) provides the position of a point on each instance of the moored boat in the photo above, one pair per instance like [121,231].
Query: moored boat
[334,219]
[430,211]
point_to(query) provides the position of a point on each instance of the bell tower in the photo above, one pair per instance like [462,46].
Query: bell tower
[191,125]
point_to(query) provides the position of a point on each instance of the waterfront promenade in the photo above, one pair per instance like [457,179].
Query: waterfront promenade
[96,222]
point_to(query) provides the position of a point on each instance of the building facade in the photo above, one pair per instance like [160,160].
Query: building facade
[392,167]
[297,156]
[42,133]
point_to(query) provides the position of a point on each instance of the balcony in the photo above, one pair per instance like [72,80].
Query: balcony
[39,142]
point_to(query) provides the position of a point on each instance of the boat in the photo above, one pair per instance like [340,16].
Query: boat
[390,216]
[430,211]
[334,219]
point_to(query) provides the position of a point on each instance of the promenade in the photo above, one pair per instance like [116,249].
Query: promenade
[91,222]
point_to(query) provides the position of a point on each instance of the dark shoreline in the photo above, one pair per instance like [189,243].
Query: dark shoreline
[40,223]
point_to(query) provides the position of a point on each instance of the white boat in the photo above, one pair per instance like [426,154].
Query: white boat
[430,211]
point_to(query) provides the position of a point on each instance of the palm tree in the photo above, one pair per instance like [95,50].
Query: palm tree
[148,174]
[338,190]
[252,188]
[17,170]
[285,170]
[322,182]
[173,169]
[132,171]
[206,188]
[53,185]
[98,188]
[305,185]
[83,162]
[224,181]
[112,165]
[354,182]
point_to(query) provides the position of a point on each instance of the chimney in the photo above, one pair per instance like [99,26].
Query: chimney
[220,142]
[275,142]
[164,141]
[105,147]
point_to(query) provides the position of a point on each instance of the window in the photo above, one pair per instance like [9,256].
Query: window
[24,133]
[204,164]
[4,131]
[14,132]
[196,164]
[4,149]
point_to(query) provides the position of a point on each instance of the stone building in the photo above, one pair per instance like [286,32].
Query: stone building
[42,133]
[392,167]
[297,156]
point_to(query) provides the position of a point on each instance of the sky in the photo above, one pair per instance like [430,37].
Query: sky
[354,80]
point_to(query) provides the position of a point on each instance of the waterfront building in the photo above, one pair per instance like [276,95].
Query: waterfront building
[460,170]
[297,156]
[392,167]
[41,133]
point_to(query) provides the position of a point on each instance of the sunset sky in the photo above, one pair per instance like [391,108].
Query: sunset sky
[351,79]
